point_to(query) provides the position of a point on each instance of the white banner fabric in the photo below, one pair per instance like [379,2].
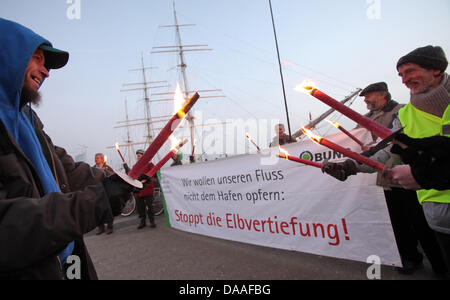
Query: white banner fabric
[264,200]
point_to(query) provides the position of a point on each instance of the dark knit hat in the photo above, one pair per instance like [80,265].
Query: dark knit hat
[375,87]
[140,151]
[429,57]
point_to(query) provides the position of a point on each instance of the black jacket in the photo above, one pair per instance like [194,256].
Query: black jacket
[35,228]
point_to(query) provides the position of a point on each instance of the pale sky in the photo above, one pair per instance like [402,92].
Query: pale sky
[341,45]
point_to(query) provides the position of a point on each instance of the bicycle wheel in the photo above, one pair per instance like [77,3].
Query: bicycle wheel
[130,207]
[157,204]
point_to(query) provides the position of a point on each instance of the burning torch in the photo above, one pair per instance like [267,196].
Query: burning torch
[253,142]
[338,126]
[173,153]
[125,165]
[285,154]
[378,129]
[163,136]
[118,151]
[353,155]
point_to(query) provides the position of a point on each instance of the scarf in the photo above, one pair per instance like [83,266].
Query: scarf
[436,101]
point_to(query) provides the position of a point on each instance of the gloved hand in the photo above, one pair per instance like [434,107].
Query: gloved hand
[429,159]
[126,168]
[117,191]
[147,180]
[340,171]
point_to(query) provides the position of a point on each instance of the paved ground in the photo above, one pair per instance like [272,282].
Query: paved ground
[167,253]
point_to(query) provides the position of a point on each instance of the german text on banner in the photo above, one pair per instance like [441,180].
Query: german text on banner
[264,200]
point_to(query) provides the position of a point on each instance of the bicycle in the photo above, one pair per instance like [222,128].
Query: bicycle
[129,207]
[157,205]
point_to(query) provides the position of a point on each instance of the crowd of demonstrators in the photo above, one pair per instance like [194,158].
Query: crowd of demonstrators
[100,163]
[424,164]
[47,201]
[62,200]
[407,217]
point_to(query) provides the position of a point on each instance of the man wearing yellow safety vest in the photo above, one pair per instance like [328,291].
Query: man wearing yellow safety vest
[425,147]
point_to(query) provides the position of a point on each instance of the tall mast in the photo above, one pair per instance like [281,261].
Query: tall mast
[147,103]
[148,120]
[189,116]
[130,152]
[180,49]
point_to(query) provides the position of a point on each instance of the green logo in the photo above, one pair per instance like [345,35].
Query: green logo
[306,155]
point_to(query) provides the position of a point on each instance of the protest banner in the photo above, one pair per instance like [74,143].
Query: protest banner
[268,201]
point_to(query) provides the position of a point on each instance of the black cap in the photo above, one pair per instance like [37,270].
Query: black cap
[54,58]
[428,57]
[140,151]
[375,87]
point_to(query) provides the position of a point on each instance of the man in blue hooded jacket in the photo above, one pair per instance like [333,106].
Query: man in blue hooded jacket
[47,201]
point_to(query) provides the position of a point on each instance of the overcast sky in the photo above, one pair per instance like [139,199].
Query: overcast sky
[341,45]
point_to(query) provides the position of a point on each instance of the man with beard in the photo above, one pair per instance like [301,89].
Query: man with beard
[425,120]
[47,201]
[406,214]
[424,145]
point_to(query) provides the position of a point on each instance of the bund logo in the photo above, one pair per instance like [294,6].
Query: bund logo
[321,156]
[306,155]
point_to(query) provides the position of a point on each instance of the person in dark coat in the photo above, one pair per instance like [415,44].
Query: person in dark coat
[100,163]
[144,198]
[47,201]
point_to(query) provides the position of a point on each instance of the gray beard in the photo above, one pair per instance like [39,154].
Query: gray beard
[29,95]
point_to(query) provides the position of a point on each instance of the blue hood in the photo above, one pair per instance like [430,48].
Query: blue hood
[17,45]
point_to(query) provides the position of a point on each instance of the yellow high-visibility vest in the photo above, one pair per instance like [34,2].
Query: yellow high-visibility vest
[419,124]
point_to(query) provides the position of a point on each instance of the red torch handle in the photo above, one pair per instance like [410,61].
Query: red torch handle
[351,136]
[161,138]
[358,157]
[123,160]
[378,129]
[160,164]
[302,161]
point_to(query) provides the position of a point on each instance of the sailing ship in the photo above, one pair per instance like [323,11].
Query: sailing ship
[149,121]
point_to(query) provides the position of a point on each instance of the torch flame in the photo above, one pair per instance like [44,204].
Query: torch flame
[335,124]
[178,102]
[105,159]
[175,142]
[307,86]
[248,136]
[285,153]
[117,146]
[315,138]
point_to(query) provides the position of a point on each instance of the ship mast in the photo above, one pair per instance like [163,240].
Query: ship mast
[147,120]
[180,49]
